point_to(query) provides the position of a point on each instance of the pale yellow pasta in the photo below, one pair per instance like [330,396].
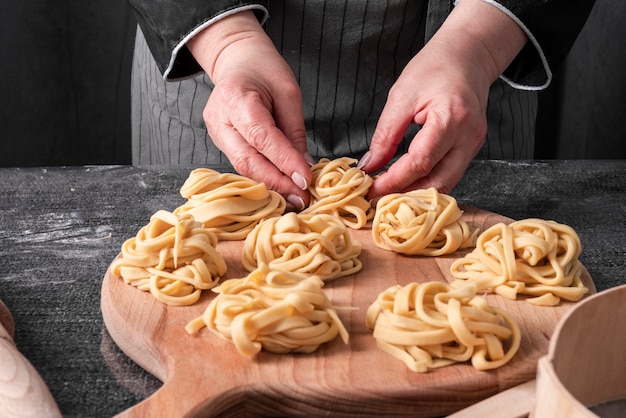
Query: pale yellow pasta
[431,325]
[312,244]
[339,189]
[421,222]
[173,257]
[228,204]
[533,257]
[277,311]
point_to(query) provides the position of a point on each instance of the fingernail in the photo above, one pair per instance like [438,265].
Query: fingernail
[299,180]
[309,159]
[364,160]
[296,201]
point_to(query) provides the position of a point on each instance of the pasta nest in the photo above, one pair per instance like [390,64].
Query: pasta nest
[431,325]
[277,311]
[534,257]
[228,204]
[339,189]
[172,257]
[312,244]
[421,222]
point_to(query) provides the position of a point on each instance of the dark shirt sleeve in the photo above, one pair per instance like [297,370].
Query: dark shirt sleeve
[552,27]
[168,24]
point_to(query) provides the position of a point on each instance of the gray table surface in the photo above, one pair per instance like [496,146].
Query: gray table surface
[61,227]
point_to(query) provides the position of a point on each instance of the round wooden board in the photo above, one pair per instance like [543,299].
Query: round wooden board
[205,375]
[22,391]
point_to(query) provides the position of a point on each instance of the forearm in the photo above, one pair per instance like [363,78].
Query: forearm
[209,45]
[168,24]
[487,37]
[551,26]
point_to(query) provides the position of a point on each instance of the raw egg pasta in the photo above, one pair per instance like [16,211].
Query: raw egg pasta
[173,257]
[421,222]
[312,244]
[431,325]
[277,311]
[533,257]
[339,189]
[228,204]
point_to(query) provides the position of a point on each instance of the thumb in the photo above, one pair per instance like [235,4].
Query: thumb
[393,123]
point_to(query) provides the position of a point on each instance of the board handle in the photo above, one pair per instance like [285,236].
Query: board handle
[176,397]
[23,392]
[515,402]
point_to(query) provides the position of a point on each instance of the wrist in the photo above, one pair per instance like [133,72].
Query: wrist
[488,37]
[211,45]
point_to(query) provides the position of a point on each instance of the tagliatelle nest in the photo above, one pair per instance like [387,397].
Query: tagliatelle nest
[312,244]
[430,325]
[230,205]
[421,222]
[173,257]
[273,310]
[533,257]
[339,189]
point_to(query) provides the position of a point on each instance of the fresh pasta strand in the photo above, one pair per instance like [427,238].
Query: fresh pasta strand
[339,189]
[277,311]
[533,257]
[421,222]
[304,243]
[229,205]
[431,325]
[173,257]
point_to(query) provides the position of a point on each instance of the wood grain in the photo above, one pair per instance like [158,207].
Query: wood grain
[204,375]
[516,402]
[586,362]
[22,391]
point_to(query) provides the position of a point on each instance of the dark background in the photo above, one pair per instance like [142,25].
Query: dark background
[65,83]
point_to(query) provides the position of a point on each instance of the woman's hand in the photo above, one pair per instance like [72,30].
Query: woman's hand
[444,88]
[254,114]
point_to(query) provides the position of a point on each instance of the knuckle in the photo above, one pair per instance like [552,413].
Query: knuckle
[396,93]
[241,162]
[210,117]
[441,186]
[291,91]
[421,165]
[257,136]
[298,135]
[481,131]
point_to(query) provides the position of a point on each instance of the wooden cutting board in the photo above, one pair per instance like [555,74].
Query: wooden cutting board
[204,375]
[23,393]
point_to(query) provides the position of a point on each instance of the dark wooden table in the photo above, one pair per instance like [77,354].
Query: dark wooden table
[61,227]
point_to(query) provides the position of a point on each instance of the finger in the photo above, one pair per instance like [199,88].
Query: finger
[289,117]
[446,174]
[257,126]
[443,176]
[250,163]
[425,151]
[390,129]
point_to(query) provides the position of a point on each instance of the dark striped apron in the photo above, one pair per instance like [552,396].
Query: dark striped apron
[345,55]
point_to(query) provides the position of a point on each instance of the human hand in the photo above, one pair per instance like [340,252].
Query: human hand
[444,88]
[254,114]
